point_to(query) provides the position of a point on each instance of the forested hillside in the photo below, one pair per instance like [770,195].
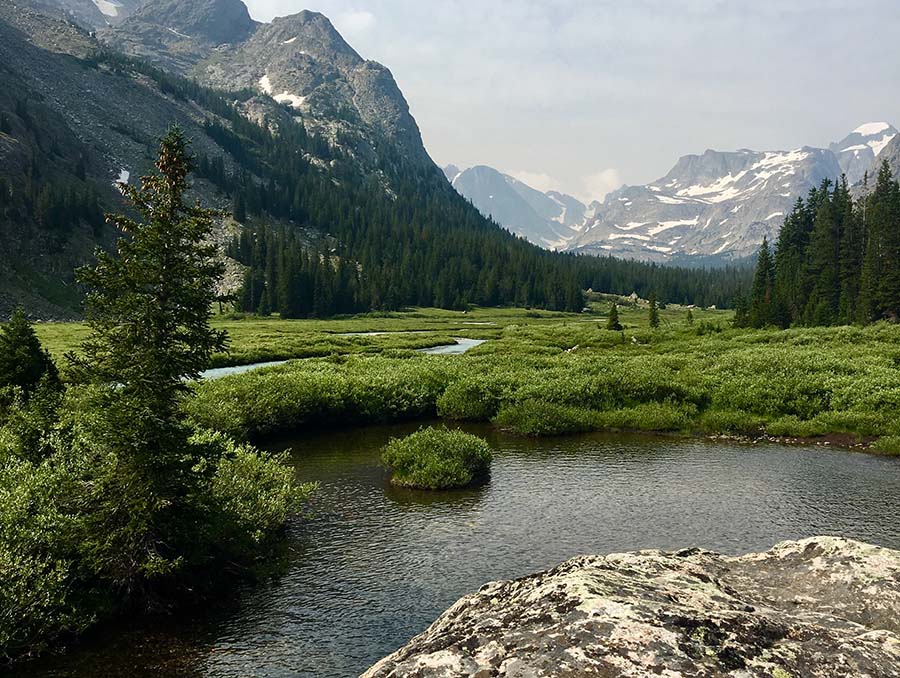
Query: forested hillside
[835,261]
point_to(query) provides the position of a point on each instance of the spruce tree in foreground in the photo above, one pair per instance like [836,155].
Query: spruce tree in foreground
[149,311]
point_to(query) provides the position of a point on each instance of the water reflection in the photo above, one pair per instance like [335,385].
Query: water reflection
[377,564]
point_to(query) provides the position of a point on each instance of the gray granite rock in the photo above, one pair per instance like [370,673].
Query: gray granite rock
[823,607]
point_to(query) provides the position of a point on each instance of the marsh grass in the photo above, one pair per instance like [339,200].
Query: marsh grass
[796,383]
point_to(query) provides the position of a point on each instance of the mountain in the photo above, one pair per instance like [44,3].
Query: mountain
[859,150]
[718,206]
[891,153]
[550,219]
[91,13]
[310,146]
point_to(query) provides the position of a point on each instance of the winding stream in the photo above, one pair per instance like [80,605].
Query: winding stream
[375,564]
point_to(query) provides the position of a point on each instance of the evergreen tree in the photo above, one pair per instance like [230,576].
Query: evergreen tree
[612,322]
[24,363]
[149,310]
[654,312]
[239,208]
[762,309]
[741,312]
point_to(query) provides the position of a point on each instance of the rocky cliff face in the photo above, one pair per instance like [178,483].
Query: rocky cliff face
[825,607]
[299,62]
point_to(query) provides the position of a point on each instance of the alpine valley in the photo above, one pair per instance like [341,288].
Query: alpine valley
[309,148]
[709,209]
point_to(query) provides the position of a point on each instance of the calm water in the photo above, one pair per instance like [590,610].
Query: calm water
[376,565]
[460,347]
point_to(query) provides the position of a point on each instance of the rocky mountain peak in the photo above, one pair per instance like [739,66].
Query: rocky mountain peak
[550,219]
[858,150]
[213,21]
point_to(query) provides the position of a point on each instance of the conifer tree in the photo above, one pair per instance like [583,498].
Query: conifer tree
[762,310]
[654,312]
[148,310]
[24,363]
[612,322]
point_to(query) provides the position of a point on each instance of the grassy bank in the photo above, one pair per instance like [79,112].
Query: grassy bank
[553,374]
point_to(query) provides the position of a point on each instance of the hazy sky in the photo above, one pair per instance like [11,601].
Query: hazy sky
[584,95]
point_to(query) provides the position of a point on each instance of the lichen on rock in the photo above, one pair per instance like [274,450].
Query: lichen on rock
[824,607]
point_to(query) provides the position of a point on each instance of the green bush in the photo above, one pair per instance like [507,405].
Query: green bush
[729,421]
[887,445]
[471,399]
[80,532]
[647,417]
[437,458]
[541,418]
[794,427]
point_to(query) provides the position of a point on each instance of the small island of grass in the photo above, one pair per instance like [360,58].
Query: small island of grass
[437,459]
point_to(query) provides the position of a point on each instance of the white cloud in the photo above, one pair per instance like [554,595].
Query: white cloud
[595,186]
[354,23]
[539,180]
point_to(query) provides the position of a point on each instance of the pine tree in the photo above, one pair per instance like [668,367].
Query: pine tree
[612,322]
[654,312]
[148,310]
[24,363]
[762,309]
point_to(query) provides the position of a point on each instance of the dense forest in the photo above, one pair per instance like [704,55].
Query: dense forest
[835,261]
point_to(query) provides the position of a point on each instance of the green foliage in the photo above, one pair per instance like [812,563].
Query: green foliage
[542,418]
[252,494]
[887,445]
[612,322]
[437,458]
[24,363]
[471,398]
[106,496]
[654,312]
[797,382]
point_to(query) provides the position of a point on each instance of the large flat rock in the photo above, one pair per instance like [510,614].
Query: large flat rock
[819,607]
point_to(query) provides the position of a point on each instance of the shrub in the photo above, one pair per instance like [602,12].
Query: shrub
[647,417]
[730,421]
[252,493]
[794,427]
[437,458]
[541,418]
[887,445]
[472,399]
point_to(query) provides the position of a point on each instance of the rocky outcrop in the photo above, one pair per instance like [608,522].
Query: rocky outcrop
[819,607]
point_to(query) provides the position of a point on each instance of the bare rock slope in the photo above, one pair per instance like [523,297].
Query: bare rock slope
[823,607]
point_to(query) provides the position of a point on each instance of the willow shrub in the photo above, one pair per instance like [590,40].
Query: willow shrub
[542,418]
[437,458]
[78,530]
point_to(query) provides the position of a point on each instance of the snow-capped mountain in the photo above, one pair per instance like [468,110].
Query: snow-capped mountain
[721,205]
[858,150]
[550,219]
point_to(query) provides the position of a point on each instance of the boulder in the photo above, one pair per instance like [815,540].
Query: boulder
[823,607]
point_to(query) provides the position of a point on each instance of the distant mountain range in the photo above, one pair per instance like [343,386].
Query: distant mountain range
[551,219]
[713,207]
